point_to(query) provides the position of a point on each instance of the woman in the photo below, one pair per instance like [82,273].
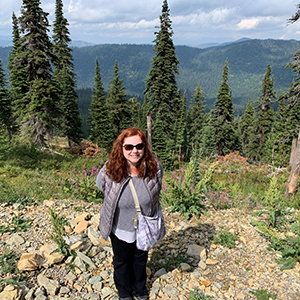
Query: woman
[129,158]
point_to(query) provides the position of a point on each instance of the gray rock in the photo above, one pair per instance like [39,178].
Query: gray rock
[185,267]
[15,239]
[51,286]
[86,259]
[92,296]
[195,251]
[160,272]
[97,286]
[70,278]
[95,279]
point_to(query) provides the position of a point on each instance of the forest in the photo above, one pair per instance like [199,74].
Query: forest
[237,97]
[224,122]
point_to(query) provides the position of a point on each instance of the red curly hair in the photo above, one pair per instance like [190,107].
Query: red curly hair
[116,166]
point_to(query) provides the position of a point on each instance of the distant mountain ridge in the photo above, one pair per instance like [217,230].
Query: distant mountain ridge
[247,62]
[211,45]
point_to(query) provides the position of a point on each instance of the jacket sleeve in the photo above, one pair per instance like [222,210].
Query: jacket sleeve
[99,181]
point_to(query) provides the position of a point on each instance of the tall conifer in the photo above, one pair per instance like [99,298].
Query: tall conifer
[196,117]
[100,123]
[278,145]
[208,139]
[265,112]
[65,77]
[18,75]
[181,127]
[223,117]
[5,105]
[118,105]
[42,107]
[161,87]
[245,127]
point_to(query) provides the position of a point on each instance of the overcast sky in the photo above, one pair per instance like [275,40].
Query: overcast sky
[194,22]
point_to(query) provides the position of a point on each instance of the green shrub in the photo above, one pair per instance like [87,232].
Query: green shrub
[58,233]
[264,295]
[8,263]
[197,294]
[184,193]
[226,238]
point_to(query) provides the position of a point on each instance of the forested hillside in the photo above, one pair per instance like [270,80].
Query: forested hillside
[247,63]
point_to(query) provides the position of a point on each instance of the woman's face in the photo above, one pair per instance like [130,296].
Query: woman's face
[133,155]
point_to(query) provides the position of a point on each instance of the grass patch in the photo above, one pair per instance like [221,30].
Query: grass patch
[8,263]
[226,238]
[263,295]
[197,294]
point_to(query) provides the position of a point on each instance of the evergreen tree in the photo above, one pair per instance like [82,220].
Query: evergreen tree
[265,112]
[160,142]
[42,107]
[100,123]
[145,110]
[251,149]
[278,145]
[223,122]
[208,139]
[71,127]
[245,126]
[18,74]
[293,102]
[181,130]
[196,117]
[65,77]
[136,112]
[161,88]
[5,105]
[119,106]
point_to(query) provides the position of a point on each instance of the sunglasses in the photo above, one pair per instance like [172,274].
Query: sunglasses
[129,147]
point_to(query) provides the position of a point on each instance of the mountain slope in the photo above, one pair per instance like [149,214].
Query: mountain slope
[247,61]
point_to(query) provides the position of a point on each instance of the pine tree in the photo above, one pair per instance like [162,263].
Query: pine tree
[196,117]
[100,123]
[119,106]
[161,87]
[71,127]
[208,139]
[65,77]
[265,112]
[42,107]
[5,105]
[245,125]
[278,145]
[181,127]
[160,142]
[145,110]
[223,117]
[17,74]
[251,149]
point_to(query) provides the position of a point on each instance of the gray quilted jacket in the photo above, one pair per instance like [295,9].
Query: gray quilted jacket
[112,191]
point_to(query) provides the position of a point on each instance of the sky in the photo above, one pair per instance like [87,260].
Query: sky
[194,22]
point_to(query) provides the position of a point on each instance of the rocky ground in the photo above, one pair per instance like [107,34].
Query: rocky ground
[186,259]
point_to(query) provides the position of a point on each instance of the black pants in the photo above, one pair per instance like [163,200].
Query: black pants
[129,268]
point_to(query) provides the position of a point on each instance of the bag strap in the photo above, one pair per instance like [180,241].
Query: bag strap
[135,197]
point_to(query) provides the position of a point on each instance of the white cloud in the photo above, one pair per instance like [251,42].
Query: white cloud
[193,21]
[248,23]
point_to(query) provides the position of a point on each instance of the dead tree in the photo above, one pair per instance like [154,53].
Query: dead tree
[295,166]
